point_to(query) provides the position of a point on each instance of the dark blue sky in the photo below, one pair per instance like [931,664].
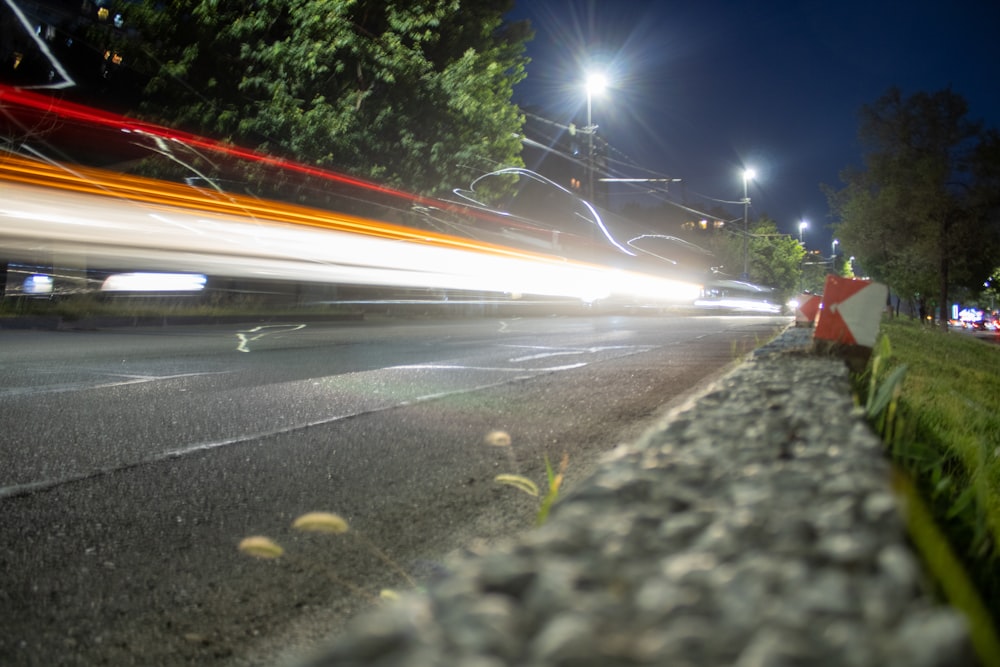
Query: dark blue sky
[702,89]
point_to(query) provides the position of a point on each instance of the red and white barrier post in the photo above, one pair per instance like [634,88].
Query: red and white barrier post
[849,317]
[807,309]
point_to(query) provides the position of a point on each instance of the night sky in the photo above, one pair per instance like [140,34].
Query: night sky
[702,89]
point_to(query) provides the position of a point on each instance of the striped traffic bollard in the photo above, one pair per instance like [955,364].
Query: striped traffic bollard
[807,309]
[849,317]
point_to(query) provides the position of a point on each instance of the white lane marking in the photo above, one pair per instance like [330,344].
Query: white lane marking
[556,352]
[77,386]
[43,485]
[31,487]
[460,367]
[544,355]
[261,332]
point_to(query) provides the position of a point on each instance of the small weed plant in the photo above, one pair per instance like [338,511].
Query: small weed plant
[553,477]
[260,546]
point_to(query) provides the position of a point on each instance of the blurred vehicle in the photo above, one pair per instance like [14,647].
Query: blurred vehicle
[976,319]
[737,296]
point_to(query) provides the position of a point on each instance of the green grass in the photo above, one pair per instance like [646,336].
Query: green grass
[943,429]
[950,405]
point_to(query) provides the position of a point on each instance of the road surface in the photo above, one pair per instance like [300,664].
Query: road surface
[134,461]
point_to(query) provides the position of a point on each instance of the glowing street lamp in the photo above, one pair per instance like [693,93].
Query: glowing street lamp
[834,246]
[748,175]
[802,227]
[596,83]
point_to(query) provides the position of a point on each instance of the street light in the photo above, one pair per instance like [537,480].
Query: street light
[802,227]
[596,82]
[748,175]
[834,246]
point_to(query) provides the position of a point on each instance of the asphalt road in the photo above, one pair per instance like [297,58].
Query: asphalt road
[134,461]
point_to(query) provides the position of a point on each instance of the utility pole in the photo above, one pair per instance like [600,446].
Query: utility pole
[748,174]
[595,85]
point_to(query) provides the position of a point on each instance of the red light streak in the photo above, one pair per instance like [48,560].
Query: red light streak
[79,112]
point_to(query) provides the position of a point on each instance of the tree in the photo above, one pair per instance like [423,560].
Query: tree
[775,259]
[414,95]
[990,295]
[919,216]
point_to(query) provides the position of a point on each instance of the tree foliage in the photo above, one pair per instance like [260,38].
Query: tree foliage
[413,94]
[774,259]
[922,214]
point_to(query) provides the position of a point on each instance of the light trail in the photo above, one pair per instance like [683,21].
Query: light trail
[112,220]
[18,99]
[92,181]
[117,221]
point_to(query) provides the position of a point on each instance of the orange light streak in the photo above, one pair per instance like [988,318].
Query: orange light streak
[89,180]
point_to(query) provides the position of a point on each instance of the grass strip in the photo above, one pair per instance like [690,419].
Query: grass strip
[950,406]
[942,431]
[947,570]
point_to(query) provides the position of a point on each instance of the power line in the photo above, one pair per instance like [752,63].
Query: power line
[620,167]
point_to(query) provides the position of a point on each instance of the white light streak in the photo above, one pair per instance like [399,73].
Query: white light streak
[154,282]
[110,231]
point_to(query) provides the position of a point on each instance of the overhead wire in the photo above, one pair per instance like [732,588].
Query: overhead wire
[621,165]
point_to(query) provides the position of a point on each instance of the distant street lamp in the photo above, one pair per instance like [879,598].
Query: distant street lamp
[596,82]
[802,228]
[834,246]
[748,175]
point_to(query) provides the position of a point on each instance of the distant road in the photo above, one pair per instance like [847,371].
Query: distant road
[988,336]
[134,461]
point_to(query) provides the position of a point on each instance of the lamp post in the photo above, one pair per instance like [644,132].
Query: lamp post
[748,175]
[595,85]
[802,227]
[834,246]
